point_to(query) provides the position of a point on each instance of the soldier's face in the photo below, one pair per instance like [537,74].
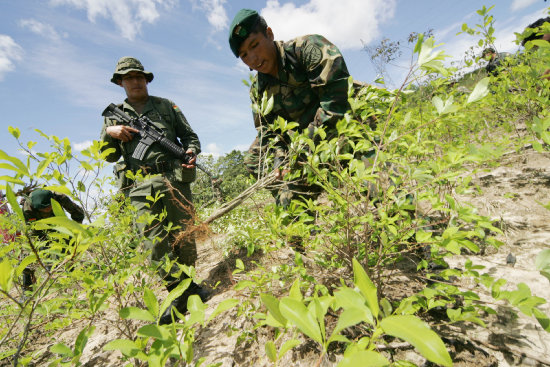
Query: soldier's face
[258,52]
[135,86]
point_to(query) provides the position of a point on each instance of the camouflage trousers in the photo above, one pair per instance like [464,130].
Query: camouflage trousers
[180,212]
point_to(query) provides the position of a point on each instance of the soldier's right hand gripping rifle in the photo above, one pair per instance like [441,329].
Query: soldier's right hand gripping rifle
[149,134]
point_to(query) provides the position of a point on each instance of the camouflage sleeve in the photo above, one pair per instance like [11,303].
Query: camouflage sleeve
[76,212]
[111,142]
[184,132]
[328,75]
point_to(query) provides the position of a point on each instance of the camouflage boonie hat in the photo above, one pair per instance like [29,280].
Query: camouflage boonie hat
[41,199]
[240,28]
[125,65]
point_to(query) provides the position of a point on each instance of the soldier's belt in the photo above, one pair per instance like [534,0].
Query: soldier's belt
[159,167]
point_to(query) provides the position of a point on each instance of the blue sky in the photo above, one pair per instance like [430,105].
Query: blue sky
[57,56]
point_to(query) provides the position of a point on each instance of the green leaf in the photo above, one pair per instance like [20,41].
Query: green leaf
[349,317]
[295,311]
[62,349]
[20,165]
[481,90]
[196,310]
[175,293]
[126,347]
[82,339]
[418,333]
[14,131]
[223,306]
[154,331]
[272,305]
[288,345]
[151,302]
[295,291]
[364,358]
[13,203]
[542,262]
[135,313]
[6,275]
[348,298]
[61,223]
[271,351]
[542,318]
[366,286]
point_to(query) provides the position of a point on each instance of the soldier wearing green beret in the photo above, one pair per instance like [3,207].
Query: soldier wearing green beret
[307,78]
[38,205]
[163,167]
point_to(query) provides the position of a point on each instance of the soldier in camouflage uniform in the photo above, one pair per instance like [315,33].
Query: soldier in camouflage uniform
[163,167]
[307,78]
[38,205]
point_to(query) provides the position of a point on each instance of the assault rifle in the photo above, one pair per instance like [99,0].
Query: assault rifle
[149,134]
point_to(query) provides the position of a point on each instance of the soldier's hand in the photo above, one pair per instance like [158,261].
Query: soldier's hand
[192,160]
[281,172]
[121,132]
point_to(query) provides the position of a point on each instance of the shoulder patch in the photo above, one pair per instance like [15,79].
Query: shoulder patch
[312,54]
[176,108]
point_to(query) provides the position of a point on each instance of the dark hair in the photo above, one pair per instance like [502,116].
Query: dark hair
[488,50]
[535,35]
[260,26]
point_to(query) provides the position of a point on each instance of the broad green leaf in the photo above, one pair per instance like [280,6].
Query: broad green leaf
[349,317]
[175,293]
[364,358]
[64,222]
[542,262]
[60,189]
[295,311]
[62,349]
[348,298]
[418,333]
[154,331]
[14,131]
[223,306]
[366,286]
[57,209]
[82,339]
[272,305]
[126,347]
[288,345]
[26,262]
[542,318]
[438,104]
[481,90]
[13,203]
[135,313]
[151,302]
[271,351]
[6,275]
[16,161]
[196,310]
[295,291]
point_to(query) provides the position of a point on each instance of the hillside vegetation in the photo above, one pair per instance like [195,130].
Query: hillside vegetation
[393,265]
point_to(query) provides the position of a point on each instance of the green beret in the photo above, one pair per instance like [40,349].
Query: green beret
[41,199]
[240,28]
[126,64]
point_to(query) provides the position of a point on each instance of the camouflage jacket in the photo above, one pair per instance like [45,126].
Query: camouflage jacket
[168,117]
[31,214]
[311,87]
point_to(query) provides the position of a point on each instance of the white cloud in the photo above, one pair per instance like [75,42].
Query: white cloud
[347,23]
[212,149]
[215,12]
[128,15]
[83,145]
[9,53]
[45,30]
[521,4]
